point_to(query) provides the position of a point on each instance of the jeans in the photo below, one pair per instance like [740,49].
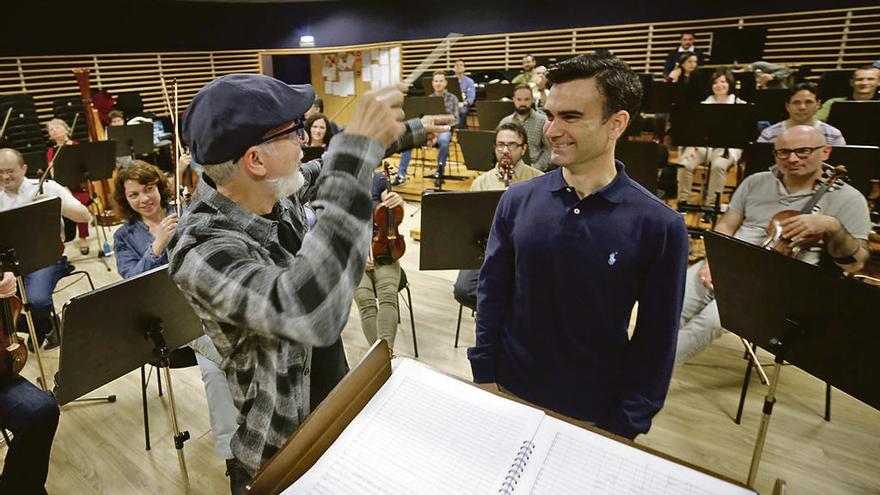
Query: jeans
[700,324]
[39,286]
[32,417]
[465,288]
[462,117]
[376,298]
[222,412]
[443,152]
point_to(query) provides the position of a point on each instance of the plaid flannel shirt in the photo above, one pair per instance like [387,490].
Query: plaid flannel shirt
[265,308]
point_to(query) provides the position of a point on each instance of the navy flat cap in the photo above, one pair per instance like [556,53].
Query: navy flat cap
[231,114]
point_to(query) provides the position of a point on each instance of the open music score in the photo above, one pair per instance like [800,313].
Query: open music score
[424,432]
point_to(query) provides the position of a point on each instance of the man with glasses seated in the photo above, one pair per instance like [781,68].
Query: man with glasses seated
[841,220]
[511,143]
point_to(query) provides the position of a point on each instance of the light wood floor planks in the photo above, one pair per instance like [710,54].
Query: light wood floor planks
[99,448]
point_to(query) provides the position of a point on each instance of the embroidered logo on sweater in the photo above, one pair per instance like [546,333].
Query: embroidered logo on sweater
[612,258]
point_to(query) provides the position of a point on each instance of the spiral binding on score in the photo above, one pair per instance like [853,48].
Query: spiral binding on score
[516,468]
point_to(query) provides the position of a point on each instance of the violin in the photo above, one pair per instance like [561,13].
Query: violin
[832,178]
[388,245]
[13,353]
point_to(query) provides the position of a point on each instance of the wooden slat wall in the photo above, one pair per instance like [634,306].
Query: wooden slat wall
[51,77]
[822,40]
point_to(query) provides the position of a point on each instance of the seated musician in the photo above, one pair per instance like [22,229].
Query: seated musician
[720,159]
[376,296]
[802,105]
[684,69]
[31,415]
[842,222]
[319,130]
[116,118]
[19,191]
[864,82]
[142,197]
[59,132]
[511,144]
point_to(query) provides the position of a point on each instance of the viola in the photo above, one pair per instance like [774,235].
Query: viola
[831,179]
[13,353]
[388,245]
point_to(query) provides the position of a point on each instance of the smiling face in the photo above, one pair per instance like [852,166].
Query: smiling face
[11,171]
[439,84]
[528,63]
[576,130]
[144,199]
[865,83]
[317,132]
[720,87]
[687,41]
[505,142]
[802,137]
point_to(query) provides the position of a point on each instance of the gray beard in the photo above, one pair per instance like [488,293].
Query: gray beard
[285,186]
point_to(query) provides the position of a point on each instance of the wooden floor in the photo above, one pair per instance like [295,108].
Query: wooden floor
[99,447]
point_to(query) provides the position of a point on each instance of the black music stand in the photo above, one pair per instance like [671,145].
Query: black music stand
[151,318]
[87,162]
[31,249]
[835,83]
[455,228]
[36,163]
[862,165]
[642,161]
[827,330]
[659,96]
[478,148]
[770,104]
[499,91]
[490,113]
[415,107]
[858,121]
[758,157]
[312,153]
[452,85]
[131,140]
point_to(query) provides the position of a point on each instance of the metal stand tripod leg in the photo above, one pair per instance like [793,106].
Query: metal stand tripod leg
[769,401]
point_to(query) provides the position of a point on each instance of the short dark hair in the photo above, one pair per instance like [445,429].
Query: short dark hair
[311,120]
[615,80]
[864,67]
[515,127]
[115,114]
[145,174]
[320,104]
[522,86]
[804,86]
[690,33]
[727,75]
[439,73]
[684,56]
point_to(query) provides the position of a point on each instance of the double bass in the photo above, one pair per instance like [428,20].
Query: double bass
[388,245]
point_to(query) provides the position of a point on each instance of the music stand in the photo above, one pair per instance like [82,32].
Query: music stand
[758,157]
[478,148]
[642,160]
[87,162]
[30,249]
[312,153]
[660,96]
[826,330]
[835,83]
[415,107]
[131,140]
[490,113]
[770,104]
[452,85]
[714,126]
[499,91]
[101,346]
[858,121]
[862,165]
[36,163]
[455,228]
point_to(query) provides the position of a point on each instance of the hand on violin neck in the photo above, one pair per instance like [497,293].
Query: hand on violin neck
[391,200]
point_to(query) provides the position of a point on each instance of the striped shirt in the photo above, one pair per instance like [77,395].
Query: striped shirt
[832,135]
[539,149]
[265,308]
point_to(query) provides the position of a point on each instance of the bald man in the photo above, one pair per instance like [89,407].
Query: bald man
[842,221]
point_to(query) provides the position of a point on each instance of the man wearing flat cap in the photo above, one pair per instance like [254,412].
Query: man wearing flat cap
[272,294]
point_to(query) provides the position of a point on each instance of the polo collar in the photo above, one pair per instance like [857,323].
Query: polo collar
[614,192]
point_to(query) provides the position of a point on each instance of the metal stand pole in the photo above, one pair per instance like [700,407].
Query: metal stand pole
[154,332]
[765,422]
[16,271]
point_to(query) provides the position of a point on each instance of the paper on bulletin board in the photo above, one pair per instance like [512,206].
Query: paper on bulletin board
[366,73]
[386,75]
[345,86]
[329,88]
[395,65]
[384,57]
[375,56]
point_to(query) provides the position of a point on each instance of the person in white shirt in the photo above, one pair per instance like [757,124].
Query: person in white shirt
[17,191]
[719,159]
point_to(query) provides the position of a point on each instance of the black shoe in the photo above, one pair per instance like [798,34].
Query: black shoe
[84,250]
[437,175]
[52,341]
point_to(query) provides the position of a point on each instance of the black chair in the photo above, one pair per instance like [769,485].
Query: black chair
[458,326]
[404,285]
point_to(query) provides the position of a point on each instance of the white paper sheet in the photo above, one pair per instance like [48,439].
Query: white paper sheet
[345,86]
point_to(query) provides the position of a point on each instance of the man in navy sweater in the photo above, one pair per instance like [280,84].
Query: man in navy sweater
[569,255]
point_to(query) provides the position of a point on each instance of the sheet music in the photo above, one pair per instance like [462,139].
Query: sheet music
[424,433]
[570,460]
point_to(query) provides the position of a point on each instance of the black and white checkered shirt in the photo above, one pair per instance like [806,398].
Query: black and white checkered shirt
[265,308]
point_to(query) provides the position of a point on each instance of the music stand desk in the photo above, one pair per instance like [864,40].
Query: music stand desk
[858,121]
[414,107]
[85,162]
[36,246]
[455,228]
[135,139]
[490,113]
[478,148]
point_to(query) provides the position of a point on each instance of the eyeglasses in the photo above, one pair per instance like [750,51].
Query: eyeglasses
[507,146]
[298,127]
[805,152]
